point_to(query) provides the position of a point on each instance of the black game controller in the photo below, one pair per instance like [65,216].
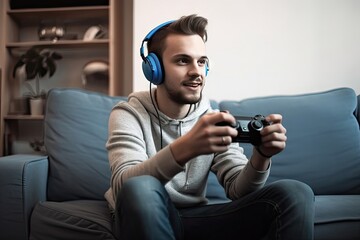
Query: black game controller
[248,129]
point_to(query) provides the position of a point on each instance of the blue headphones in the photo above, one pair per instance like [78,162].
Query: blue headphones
[152,66]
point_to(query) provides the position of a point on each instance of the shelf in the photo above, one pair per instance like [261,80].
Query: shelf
[24,117]
[61,44]
[18,48]
[26,17]
[20,30]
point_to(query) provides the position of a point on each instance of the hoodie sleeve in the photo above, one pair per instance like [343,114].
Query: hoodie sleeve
[132,152]
[236,174]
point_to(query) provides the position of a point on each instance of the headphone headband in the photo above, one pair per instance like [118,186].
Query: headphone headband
[151,34]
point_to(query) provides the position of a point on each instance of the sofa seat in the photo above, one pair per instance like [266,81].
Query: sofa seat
[343,218]
[80,220]
[74,220]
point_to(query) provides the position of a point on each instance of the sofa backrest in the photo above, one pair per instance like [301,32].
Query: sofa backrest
[75,133]
[323,146]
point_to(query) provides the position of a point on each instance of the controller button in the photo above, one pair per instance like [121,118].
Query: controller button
[257,125]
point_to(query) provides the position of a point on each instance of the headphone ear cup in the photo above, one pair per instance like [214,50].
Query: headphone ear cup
[206,70]
[153,69]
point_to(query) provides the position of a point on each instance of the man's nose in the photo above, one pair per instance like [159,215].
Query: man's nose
[196,69]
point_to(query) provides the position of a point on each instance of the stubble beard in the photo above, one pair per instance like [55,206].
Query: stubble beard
[180,98]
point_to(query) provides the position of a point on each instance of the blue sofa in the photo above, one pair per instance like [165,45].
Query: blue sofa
[60,196]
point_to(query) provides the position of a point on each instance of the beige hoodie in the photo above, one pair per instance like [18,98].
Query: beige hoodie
[134,147]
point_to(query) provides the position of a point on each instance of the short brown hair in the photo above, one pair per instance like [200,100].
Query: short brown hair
[186,25]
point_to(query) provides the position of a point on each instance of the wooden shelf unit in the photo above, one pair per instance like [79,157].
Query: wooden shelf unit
[19,31]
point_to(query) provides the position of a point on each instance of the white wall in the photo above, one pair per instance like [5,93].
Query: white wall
[266,47]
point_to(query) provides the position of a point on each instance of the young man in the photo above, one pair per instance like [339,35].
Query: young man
[163,143]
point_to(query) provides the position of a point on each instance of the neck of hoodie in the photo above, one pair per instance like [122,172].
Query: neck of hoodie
[171,109]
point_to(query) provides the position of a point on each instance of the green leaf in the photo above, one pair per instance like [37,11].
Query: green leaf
[56,56]
[32,53]
[38,62]
[31,70]
[17,65]
[42,71]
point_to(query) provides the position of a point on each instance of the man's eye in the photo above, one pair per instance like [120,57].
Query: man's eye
[202,62]
[183,61]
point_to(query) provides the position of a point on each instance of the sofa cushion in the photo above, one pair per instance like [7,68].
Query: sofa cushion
[75,135]
[323,146]
[80,219]
[336,214]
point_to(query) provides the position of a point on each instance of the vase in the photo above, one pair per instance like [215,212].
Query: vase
[36,106]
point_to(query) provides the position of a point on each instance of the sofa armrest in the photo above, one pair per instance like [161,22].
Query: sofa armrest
[23,181]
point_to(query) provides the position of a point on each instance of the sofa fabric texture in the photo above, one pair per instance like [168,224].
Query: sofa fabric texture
[80,220]
[321,131]
[76,130]
[63,193]
[322,150]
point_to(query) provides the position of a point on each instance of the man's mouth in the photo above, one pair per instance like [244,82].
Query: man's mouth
[192,84]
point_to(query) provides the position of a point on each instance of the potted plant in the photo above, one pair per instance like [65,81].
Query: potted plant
[35,64]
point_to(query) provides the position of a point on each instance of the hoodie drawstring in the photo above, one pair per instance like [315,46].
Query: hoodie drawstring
[187,165]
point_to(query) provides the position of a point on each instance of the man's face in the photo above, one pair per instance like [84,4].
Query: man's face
[184,60]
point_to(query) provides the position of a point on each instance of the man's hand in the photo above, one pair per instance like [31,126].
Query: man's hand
[273,142]
[205,137]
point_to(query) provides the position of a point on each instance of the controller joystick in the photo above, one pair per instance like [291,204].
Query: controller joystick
[248,128]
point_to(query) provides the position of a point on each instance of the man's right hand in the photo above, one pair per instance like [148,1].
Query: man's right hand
[205,137]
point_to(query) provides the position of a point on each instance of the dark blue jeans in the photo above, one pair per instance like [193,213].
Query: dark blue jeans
[281,210]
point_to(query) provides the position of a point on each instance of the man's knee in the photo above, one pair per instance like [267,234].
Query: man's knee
[140,191]
[295,192]
[298,189]
[143,183]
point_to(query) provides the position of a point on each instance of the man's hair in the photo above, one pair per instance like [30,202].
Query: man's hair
[186,25]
